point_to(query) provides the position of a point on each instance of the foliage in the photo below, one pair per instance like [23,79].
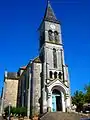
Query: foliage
[87,93]
[78,99]
[16,111]
[23,111]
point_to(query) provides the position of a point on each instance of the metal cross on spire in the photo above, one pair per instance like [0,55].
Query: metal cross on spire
[48,1]
[61,2]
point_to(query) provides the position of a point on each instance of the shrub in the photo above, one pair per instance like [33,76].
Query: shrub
[16,111]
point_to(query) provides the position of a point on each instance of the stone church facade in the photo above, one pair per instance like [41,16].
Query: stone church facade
[43,85]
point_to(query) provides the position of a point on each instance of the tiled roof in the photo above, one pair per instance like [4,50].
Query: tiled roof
[23,67]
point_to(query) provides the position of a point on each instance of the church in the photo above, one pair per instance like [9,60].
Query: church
[43,85]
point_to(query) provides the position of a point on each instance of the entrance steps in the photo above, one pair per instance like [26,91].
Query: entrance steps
[60,116]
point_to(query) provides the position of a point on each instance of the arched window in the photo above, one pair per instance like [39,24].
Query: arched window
[50,74]
[59,75]
[50,36]
[54,58]
[55,75]
[56,36]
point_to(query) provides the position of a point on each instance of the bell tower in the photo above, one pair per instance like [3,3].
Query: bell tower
[51,54]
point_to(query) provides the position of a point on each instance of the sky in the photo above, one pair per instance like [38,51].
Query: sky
[19,36]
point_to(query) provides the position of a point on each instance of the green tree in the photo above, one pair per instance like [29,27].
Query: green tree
[87,93]
[78,99]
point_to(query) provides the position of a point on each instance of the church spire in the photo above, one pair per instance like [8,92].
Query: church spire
[49,14]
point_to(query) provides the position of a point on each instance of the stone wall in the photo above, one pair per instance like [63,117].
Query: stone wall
[11,90]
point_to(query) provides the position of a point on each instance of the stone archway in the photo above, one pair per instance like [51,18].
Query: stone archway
[56,101]
[61,91]
[59,98]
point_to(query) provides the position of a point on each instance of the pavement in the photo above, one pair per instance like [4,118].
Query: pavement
[1,118]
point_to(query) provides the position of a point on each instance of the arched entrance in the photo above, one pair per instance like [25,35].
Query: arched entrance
[56,100]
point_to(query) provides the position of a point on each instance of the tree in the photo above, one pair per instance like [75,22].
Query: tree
[87,93]
[78,99]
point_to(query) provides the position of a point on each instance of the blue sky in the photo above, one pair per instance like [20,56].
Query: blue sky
[19,38]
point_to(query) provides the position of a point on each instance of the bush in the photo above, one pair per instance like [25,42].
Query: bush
[16,111]
[23,111]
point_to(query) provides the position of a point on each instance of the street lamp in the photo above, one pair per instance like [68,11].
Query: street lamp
[9,111]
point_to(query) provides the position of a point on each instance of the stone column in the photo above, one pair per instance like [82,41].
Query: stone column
[65,76]
[59,60]
[47,71]
[28,104]
[63,102]
[53,75]
[62,64]
[44,103]
[49,104]
[68,101]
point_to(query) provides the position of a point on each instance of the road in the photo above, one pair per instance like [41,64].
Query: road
[1,118]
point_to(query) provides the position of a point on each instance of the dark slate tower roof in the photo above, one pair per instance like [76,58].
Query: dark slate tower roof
[49,14]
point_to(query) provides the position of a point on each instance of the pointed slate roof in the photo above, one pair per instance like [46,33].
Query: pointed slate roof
[49,14]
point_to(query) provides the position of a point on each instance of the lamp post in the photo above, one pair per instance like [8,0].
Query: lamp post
[9,111]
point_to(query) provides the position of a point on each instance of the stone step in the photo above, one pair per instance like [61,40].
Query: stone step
[60,116]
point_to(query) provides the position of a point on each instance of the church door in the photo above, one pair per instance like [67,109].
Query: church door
[56,101]
[53,103]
